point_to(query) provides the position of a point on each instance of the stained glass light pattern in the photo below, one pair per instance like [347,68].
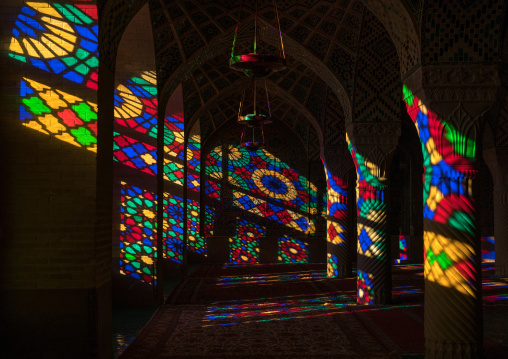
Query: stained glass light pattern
[59,114]
[58,38]
[138,236]
[402,249]
[173,228]
[136,103]
[271,211]
[452,267]
[292,250]
[332,268]
[365,288]
[449,260]
[135,154]
[244,247]
[488,249]
[264,174]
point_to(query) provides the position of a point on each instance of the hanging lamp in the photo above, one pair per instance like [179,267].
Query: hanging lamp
[253,123]
[256,64]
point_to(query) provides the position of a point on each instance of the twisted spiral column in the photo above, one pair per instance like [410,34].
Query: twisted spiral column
[452,267]
[374,281]
[501,231]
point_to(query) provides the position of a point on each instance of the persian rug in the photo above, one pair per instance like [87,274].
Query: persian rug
[295,311]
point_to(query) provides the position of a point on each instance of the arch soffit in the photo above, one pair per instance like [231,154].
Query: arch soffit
[226,94]
[269,34]
[402,29]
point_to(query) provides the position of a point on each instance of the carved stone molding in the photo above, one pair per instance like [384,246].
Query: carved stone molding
[338,161]
[374,133]
[452,83]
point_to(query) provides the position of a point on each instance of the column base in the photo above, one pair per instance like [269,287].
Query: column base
[448,350]
[342,272]
[502,271]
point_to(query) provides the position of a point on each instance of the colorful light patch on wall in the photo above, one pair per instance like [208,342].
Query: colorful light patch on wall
[292,250]
[488,249]
[244,247]
[209,221]
[272,212]
[59,114]
[58,38]
[264,174]
[448,156]
[173,228]
[136,103]
[138,236]
[135,154]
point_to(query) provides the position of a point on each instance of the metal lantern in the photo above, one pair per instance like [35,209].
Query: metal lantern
[257,65]
[253,123]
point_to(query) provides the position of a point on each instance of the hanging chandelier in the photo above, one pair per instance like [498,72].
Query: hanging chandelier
[253,137]
[257,64]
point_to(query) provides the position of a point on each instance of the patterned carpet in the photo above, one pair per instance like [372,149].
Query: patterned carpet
[295,311]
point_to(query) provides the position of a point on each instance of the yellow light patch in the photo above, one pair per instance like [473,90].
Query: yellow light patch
[45,52]
[29,48]
[435,196]
[435,157]
[65,137]
[62,39]
[148,158]
[149,76]
[57,26]
[15,46]
[53,100]
[423,108]
[36,126]
[147,260]
[60,52]
[45,8]
[149,214]
[52,124]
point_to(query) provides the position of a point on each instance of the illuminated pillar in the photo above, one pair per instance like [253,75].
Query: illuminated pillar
[371,158]
[496,160]
[501,230]
[447,113]
[338,246]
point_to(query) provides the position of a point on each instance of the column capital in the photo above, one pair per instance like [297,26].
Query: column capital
[337,160]
[446,87]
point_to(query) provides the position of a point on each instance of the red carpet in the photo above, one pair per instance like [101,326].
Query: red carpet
[295,311]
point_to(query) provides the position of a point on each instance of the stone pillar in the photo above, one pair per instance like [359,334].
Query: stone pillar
[338,163]
[372,146]
[447,103]
[496,158]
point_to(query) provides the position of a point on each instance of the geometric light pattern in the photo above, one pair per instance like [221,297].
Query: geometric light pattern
[244,247]
[271,211]
[135,154]
[138,233]
[58,38]
[264,174]
[59,114]
[173,228]
[136,103]
[448,203]
[292,250]
[488,252]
